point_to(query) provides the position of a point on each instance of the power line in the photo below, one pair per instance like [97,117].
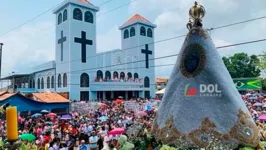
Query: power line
[26,22]
[162,57]
[171,38]
[175,37]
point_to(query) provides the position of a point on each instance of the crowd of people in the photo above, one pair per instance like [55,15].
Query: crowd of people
[109,127]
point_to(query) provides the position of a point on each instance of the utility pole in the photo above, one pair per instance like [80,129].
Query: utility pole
[1,46]
[13,81]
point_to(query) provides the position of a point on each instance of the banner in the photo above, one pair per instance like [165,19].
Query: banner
[243,84]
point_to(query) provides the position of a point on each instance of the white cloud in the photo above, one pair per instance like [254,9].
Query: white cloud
[110,40]
[25,47]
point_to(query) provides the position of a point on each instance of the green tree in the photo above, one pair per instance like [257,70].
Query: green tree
[240,65]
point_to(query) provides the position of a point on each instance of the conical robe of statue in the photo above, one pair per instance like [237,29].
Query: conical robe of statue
[201,107]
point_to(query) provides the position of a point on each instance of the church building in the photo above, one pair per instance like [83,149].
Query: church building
[80,73]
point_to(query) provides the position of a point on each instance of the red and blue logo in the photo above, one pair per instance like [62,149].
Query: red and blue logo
[191,90]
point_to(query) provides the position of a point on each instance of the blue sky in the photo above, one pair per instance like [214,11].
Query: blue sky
[30,44]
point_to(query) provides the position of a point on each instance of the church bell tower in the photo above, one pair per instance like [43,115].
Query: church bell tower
[75,43]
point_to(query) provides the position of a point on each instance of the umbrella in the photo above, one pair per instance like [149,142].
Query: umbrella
[66,117]
[51,115]
[141,113]
[49,123]
[262,117]
[103,118]
[148,107]
[44,111]
[36,115]
[117,131]
[264,105]
[257,104]
[118,101]
[102,104]
[27,137]
[120,97]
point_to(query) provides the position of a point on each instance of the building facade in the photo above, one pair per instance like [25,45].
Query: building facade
[83,74]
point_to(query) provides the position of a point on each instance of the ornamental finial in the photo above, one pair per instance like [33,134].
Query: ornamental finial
[196,13]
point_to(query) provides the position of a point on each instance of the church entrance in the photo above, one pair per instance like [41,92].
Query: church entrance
[119,93]
[84,95]
[108,95]
[100,95]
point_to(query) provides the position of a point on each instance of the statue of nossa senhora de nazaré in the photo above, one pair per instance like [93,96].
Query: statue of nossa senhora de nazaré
[201,107]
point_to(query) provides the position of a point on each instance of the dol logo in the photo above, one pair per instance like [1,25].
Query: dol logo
[202,90]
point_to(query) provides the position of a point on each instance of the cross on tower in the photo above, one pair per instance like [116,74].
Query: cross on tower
[147,52]
[61,42]
[84,42]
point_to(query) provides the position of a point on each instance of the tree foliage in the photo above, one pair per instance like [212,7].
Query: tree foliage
[241,65]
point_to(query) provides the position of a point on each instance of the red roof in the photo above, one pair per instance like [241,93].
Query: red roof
[137,17]
[85,1]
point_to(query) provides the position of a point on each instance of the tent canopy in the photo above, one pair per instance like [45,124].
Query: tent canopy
[161,91]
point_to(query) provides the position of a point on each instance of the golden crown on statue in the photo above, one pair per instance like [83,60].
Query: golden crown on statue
[196,13]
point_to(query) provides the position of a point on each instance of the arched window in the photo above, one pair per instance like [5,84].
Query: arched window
[48,82]
[115,75]
[149,32]
[136,76]
[84,80]
[33,83]
[132,32]
[108,75]
[65,80]
[42,83]
[52,82]
[65,15]
[126,34]
[77,14]
[59,82]
[30,84]
[99,74]
[122,75]
[146,82]
[129,75]
[59,21]
[39,83]
[88,17]
[142,31]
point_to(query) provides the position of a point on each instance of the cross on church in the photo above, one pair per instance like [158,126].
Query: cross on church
[147,52]
[84,42]
[61,42]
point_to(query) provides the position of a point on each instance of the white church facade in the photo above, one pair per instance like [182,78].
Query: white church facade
[80,73]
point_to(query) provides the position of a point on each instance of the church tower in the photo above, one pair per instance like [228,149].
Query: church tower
[137,37]
[75,46]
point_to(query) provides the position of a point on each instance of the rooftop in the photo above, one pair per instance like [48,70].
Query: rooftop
[161,80]
[137,17]
[50,98]
[86,2]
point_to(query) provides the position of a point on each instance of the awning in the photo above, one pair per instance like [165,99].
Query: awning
[161,91]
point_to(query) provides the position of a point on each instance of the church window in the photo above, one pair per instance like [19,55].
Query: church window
[42,83]
[108,75]
[59,18]
[77,14]
[33,83]
[88,17]
[149,33]
[129,75]
[136,76]
[59,81]
[48,82]
[142,31]
[39,83]
[146,82]
[126,34]
[132,32]
[65,80]
[99,75]
[84,80]
[115,75]
[122,75]
[52,82]
[30,84]
[65,15]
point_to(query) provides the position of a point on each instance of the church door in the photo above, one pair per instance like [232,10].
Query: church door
[84,95]
[147,94]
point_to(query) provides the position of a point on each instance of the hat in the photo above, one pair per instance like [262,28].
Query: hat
[201,106]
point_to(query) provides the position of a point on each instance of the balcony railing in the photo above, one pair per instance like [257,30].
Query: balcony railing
[116,86]
[26,90]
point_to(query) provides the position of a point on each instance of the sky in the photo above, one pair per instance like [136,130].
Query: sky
[34,42]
